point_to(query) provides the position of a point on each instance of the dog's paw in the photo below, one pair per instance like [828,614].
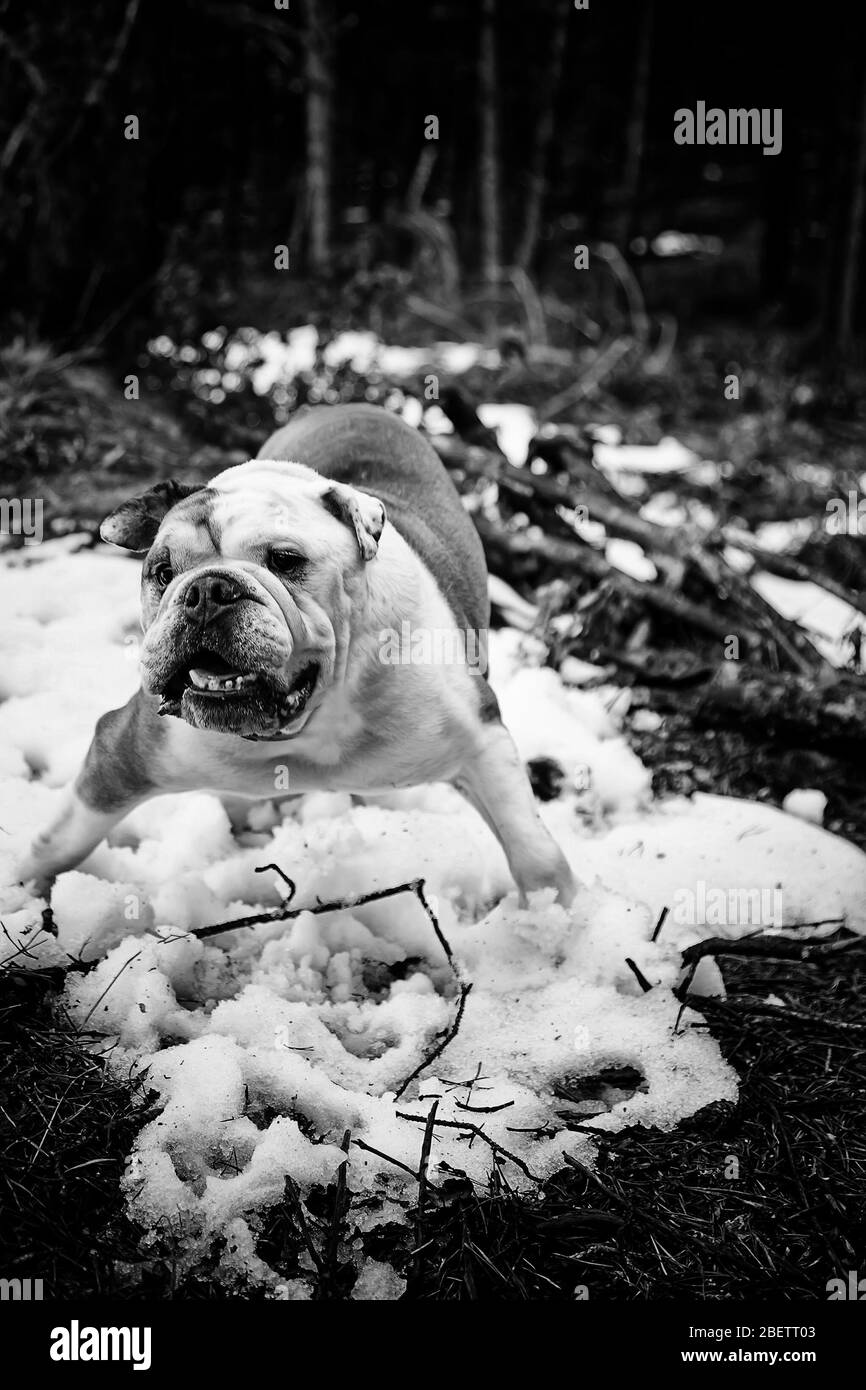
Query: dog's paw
[551,871]
[28,873]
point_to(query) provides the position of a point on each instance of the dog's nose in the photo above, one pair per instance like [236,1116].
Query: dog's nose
[209,596]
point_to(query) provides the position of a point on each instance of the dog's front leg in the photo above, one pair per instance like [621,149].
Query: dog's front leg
[75,830]
[111,783]
[494,781]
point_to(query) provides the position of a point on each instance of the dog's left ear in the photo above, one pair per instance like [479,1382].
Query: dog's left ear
[365,514]
[134,524]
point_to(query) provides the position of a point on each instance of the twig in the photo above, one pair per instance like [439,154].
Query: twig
[532,307]
[442,1044]
[602,365]
[638,974]
[623,273]
[426,1146]
[289,882]
[112,981]
[478,1132]
[660,923]
[443,318]
[284,912]
[484,1109]
[93,95]
[21,948]
[368,1148]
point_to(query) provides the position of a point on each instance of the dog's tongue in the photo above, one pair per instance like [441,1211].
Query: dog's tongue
[225,680]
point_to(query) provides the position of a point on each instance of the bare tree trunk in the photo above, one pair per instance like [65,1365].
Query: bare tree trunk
[635,136]
[318,63]
[537,180]
[853,237]
[489,160]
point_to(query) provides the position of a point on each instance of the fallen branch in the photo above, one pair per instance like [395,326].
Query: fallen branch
[772,947]
[787,567]
[572,556]
[672,551]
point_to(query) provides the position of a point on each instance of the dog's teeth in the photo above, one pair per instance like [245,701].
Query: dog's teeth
[203,679]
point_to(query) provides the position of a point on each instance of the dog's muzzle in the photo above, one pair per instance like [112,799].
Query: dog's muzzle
[224,661]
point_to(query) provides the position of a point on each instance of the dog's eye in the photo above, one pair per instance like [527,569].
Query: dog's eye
[162,574]
[287,562]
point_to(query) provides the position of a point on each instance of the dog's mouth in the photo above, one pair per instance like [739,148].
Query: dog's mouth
[210,691]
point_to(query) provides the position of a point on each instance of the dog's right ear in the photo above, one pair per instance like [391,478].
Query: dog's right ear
[134,524]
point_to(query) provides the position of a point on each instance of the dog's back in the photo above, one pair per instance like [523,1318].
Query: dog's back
[373,449]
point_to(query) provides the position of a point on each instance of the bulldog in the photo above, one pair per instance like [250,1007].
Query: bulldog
[270,602]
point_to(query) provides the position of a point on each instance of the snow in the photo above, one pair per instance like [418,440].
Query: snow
[576,672]
[630,559]
[826,617]
[515,427]
[516,610]
[265,1045]
[645,721]
[781,536]
[281,357]
[807,803]
[668,456]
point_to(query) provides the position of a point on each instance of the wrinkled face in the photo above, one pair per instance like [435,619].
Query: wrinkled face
[247,593]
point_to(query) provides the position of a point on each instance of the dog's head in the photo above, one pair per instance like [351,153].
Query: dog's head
[247,592]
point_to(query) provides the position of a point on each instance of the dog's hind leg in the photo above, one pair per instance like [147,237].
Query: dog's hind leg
[494,781]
